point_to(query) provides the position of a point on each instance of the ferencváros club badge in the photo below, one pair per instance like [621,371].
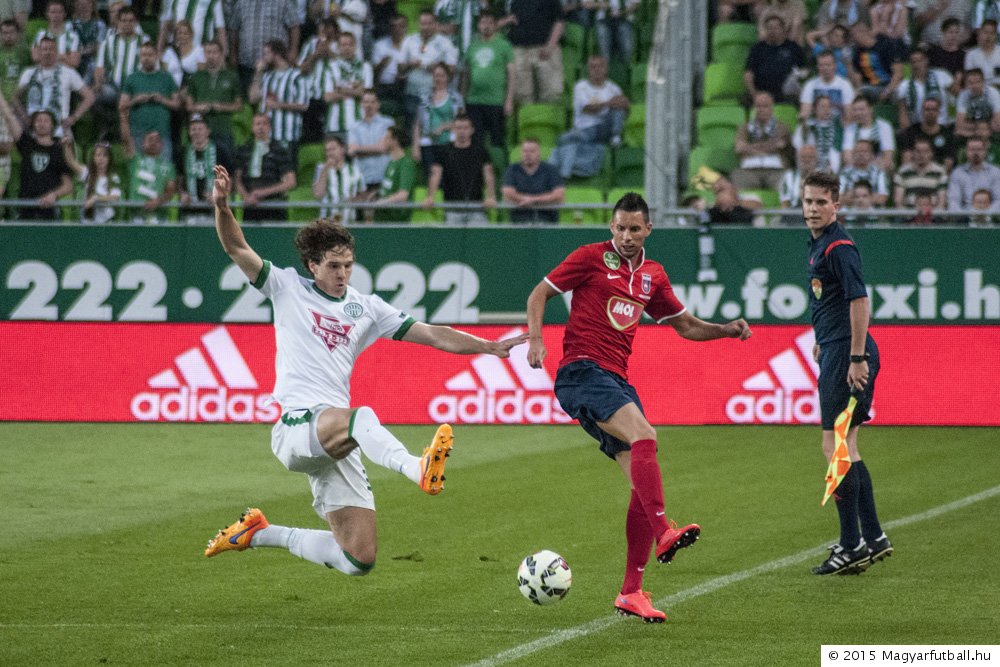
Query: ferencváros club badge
[647,283]
[612,261]
[354,310]
[817,288]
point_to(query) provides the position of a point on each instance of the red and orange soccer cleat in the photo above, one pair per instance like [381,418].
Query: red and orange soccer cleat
[236,537]
[432,462]
[674,539]
[639,604]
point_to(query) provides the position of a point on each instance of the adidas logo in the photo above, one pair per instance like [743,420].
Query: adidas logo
[227,392]
[785,393]
[499,391]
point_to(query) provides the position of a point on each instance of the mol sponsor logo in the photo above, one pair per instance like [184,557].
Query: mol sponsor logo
[228,393]
[785,393]
[623,313]
[499,391]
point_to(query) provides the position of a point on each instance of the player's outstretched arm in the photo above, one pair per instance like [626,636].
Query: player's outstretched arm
[692,328]
[230,234]
[536,310]
[459,342]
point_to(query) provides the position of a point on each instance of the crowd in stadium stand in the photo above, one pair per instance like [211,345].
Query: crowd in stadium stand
[532,102]
[899,97]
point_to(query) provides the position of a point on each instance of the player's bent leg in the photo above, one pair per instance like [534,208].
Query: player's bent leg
[380,445]
[355,532]
[237,535]
[332,430]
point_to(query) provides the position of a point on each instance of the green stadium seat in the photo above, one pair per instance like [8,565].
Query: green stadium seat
[769,198]
[576,194]
[572,72]
[787,114]
[422,216]
[723,85]
[637,83]
[302,213]
[716,126]
[629,167]
[635,125]
[242,120]
[544,122]
[724,34]
[718,158]
[645,33]
[620,73]
[731,54]
[615,194]
[33,26]
[309,156]
[574,41]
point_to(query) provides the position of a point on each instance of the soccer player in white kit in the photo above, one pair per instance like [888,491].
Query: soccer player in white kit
[321,326]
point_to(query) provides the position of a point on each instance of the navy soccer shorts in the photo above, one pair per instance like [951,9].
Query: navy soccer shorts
[834,360]
[590,394]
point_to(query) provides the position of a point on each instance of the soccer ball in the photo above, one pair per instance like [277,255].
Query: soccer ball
[544,577]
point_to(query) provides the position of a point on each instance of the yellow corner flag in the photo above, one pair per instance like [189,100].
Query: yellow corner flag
[840,462]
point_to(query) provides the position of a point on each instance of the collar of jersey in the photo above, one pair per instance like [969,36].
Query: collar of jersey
[327,296]
[632,269]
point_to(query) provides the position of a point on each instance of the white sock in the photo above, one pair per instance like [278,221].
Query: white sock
[316,546]
[381,446]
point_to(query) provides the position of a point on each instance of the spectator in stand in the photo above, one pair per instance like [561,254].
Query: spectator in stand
[152,178]
[772,62]
[489,82]
[975,174]
[280,91]
[253,24]
[836,40]
[977,102]
[891,18]
[49,87]
[949,55]
[15,10]
[421,52]
[432,130]
[316,63]
[861,210]
[921,174]
[599,112]
[735,10]
[14,57]
[61,32]
[826,83]
[197,172]
[457,19]
[382,13]
[941,136]
[535,29]
[984,132]
[985,10]
[823,131]
[865,168]
[876,131]
[45,176]
[183,57]
[92,30]
[214,93]
[615,29]
[351,77]
[986,55]
[204,18]
[728,208]
[117,58]
[844,12]
[462,169]
[761,145]
[790,190]
[791,12]
[351,15]
[982,203]
[265,171]
[147,98]
[930,17]
[399,180]
[877,67]
[923,82]
[102,186]
[337,181]
[368,142]
[924,202]
[532,182]
[387,57]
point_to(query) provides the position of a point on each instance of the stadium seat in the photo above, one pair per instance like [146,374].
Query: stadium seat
[620,73]
[635,125]
[637,83]
[731,54]
[420,215]
[242,120]
[716,126]
[718,158]
[617,193]
[309,156]
[33,26]
[544,122]
[574,41]
[728,34]
[723,85]
[645,33]
[629,167]
[769,198]
[302,213]
[498,158]
[583,195]
[787,114]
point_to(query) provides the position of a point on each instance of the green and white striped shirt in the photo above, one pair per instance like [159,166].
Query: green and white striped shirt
[285,85]
[205,17]
[67,41]
[119,56]
[341,185]
[342,115]
[320,67]
[464,14]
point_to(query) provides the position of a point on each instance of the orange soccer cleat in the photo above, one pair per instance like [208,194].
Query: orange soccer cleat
[674,539]
[639,604]
[432,462]
[236,537]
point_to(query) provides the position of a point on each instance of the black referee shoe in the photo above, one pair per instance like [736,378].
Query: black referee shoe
[880,549]
[842,561]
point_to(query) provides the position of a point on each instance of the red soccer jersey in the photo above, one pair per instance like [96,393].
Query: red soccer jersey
[609,298]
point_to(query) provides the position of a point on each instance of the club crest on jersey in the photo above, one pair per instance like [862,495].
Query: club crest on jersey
[612,261]
[817,287]
[39,161]
[623,313]
[647,283]
[354,310]
[330,330]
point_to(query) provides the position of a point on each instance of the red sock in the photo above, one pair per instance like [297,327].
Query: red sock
[648,484]
[640,541]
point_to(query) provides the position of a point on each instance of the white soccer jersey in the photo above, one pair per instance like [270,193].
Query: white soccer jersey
[319,337]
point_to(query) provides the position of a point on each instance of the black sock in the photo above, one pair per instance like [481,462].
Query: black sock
[870,527]
[847,507]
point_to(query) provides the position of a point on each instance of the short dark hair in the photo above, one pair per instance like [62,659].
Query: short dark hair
[949,22]
[990,22]
[975,71]
[400,134]
[334,137]
[631,202]
[862,183]
[127,9]
[278,48]
[319,236]
[10,23]
[212,42]
[463,116]
[824,180]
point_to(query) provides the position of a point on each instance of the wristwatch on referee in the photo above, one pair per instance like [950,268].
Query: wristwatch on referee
[858,358]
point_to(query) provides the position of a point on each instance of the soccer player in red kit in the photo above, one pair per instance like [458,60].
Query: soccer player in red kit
[613,284]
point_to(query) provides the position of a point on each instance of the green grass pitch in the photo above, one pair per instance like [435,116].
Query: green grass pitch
[103,528]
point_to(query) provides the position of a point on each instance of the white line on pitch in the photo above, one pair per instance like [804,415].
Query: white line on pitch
[599,624]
